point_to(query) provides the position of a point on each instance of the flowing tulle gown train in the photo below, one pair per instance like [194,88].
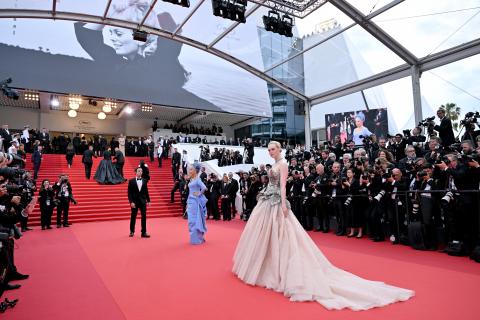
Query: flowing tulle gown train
[275,252]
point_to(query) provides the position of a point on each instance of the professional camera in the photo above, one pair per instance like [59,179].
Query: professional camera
[9,92]
[406,133]
[422,174]
[427,122]
[11,173]
[470,117]
[447,198]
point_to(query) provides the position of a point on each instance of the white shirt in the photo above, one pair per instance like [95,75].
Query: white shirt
[25,135]
[12,150]
[139,184]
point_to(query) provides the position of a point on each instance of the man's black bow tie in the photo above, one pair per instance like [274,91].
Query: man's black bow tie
[139,179]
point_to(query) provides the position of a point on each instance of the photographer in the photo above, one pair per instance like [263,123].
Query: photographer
[396,186]
[213,194]
[460,208]
[249,151]
[445,129]
[337,199]
[397,147]
[46,199]
[63,197]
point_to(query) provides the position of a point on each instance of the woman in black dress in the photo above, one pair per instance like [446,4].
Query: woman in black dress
[70,154]
[106,172]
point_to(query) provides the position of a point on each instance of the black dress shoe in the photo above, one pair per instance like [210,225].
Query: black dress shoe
[9,286]
[326,231]
[17,276]
[28,229]
[66,225]
[58,226]
[145,235]
[378,239]
[131,234]
[49,227]
[317,230]
[43,228]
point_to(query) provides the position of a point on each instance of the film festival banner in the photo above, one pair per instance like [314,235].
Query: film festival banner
[356,125]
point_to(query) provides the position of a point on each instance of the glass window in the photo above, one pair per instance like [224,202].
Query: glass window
[27,4]
[123,10]
[204,26]
[430,26]
[368,6]
[350,56]
[453,83]
[93,7]
[170,16]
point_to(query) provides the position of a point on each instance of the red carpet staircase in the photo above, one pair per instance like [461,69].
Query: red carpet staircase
[107,202]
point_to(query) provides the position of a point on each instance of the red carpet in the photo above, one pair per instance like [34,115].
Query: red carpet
[95,270]
[107,202]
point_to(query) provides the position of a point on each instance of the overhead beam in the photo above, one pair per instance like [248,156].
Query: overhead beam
[40,14]
[433,61]
[375,31]
[54,7]
[244,123]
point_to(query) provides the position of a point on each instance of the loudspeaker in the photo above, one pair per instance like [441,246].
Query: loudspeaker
[140,35]
[299,107]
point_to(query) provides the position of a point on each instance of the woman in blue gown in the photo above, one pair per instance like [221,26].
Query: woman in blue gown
[196,206]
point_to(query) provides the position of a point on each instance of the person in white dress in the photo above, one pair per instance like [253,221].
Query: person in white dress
[275,252]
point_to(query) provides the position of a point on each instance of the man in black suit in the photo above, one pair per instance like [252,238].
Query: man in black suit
[249,150]
[87,161]
[37,161]
[139,198]
[6,136]
[233,193]
[445,130]
[63,195]
[176,159]
[119,160]
[44,138]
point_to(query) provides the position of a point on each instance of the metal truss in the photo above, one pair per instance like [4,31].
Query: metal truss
[296,8]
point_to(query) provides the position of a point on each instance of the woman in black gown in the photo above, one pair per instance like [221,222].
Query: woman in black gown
[106,171]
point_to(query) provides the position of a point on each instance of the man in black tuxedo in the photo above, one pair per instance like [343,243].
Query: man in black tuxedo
[37,161]
[44,138]
[445,130]
[139,198]
[6,136]
[233,192]
[119,160]
[63,195]
[176,159]
[87,161]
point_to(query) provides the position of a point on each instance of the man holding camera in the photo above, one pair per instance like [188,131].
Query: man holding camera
[63,197]
[445,129]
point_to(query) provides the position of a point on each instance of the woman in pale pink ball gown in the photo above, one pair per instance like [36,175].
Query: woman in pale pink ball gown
[275,252]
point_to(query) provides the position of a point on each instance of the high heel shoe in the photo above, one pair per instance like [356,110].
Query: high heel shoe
[351,235]
[360,236]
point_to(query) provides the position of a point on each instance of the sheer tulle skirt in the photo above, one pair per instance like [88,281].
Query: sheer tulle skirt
[276,253]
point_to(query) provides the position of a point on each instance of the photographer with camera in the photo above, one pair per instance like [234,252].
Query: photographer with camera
[46,198]
[460,208]
[63,197]
[469,123]
[445,128]
[213,194]
[337,199]
[396,184]
[435,151]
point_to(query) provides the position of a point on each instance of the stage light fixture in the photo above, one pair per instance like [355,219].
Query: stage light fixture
[74,102]
[107,108]
[32,96]
[276,24]
[128,110]
[183,3]
[230,9]
[72,113]
[101,115]
[147,108]
[140,35]
[54,102]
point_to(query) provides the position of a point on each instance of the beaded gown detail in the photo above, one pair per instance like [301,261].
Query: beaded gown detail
[275,252]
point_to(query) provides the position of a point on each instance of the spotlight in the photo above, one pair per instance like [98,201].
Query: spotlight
[230,9]
[72,113]
[140,35]
[54,102]
[73,105]
[32,96]
[128,110]
[74,102]
[101,115]
[147,108]
[275,24]
[183,3]
[9,92]
[107,108]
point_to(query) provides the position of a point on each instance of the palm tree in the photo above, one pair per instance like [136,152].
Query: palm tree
[453,113]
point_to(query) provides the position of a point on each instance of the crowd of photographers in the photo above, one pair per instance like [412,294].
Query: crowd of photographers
[408,188]
[18,197]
